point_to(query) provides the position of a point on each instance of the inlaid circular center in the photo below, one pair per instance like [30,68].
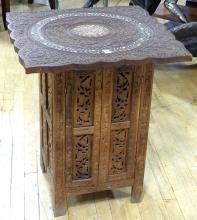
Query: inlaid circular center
[90,30]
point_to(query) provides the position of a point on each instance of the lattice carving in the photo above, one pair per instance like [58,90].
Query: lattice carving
[121,96]
[84,100]
[118,151]
[82,157]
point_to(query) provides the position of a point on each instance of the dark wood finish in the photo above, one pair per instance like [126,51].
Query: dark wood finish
[95,107]
[5,4]
[189,12]
[191,3]
[64,50]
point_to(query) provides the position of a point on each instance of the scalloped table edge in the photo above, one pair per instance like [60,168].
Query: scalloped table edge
[73,67]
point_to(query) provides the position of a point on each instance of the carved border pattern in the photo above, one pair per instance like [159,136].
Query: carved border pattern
[160,47]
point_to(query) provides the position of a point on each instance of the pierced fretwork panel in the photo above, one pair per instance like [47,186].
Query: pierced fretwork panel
[84,100]
[121,96]
[119,139]
[82,146]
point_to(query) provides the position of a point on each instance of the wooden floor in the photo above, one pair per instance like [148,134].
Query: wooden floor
[170,189]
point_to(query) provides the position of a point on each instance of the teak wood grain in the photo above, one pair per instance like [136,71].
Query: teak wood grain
[67,177]
[94,103]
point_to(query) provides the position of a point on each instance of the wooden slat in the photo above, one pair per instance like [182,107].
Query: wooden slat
[58,164]
[143,125]
[84,130]
[105,124]
[120,125]
[134,117]
[97,126]
[42,164]
[69,127]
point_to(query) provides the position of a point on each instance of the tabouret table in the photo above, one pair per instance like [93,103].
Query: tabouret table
[96,73]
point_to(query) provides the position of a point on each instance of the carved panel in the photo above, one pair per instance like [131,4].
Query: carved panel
[84,100]
[118,151]
[121,96]
[81,156]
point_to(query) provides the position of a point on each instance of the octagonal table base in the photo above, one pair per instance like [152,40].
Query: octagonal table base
[94,129]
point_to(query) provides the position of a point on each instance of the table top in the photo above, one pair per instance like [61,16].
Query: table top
[54,41]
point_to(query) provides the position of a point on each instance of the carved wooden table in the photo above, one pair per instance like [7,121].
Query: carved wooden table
[96,73]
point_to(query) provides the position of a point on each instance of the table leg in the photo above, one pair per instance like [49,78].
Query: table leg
[142,132]
[58,150]
[42,164]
